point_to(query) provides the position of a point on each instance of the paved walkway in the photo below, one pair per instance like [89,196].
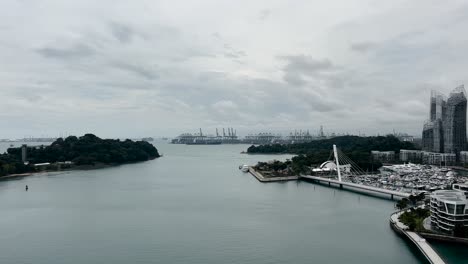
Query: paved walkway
[421,243]
[425,247]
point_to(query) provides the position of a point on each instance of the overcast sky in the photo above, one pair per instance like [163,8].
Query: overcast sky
[154,68]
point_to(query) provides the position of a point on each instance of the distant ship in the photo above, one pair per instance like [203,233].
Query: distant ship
[205,141]
[202,139]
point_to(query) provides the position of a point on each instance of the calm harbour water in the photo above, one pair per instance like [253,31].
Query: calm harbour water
[192,206]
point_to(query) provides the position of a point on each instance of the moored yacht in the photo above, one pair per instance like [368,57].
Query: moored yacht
[244,168]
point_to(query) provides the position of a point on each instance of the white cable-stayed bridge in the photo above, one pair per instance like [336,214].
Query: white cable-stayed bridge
[347,169]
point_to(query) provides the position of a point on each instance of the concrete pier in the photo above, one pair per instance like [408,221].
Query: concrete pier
[260,177]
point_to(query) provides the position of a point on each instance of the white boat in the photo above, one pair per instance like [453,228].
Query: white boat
[244,168]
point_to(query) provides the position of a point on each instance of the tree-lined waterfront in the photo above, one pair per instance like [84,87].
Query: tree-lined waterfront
[87,150]
[316,152]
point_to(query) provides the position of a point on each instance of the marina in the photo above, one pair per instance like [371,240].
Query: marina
[397,179]
[408,178]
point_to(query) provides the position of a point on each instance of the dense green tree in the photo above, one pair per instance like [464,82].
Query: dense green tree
[414,218]
[86,150]
[402,204]
[356,148]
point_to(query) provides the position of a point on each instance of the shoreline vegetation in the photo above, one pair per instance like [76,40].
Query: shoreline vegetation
[75,153]
[316,152]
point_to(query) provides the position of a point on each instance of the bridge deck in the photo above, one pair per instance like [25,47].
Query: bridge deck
[358,186]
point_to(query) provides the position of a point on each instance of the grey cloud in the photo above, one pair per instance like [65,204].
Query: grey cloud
[306,64]
[232,53]
[216,35]
[139,61]
[322,106]
[229,51]
[121,32]
[300,68]
[235,54]
[264,14]
[75,51]
[148,73]
[363,46]
[399,52]
[294,78]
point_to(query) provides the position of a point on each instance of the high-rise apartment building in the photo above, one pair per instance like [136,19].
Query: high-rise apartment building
[454,123]
[445,131]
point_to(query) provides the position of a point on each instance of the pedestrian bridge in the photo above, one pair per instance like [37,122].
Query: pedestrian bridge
[392,193]
[351,169]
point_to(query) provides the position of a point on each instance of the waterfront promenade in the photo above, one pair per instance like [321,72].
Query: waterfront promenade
[355,185]
[260,177]
[426,249]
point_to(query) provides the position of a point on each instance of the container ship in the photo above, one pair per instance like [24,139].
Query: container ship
[202,139]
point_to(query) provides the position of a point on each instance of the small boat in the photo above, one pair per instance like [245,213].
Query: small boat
[244,168]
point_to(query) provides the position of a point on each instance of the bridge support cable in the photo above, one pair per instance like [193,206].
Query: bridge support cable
[354,167]
[355,170]
[343,161]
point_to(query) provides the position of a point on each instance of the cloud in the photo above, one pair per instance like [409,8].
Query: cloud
[264,14]
[299,67]
[146,72]
[121,32]
[303,69]
[109,66]
[306,64]
[235,54]
[363,46]
[74,51]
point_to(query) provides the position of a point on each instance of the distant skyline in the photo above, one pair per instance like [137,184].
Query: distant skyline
[279,131]
[160,68]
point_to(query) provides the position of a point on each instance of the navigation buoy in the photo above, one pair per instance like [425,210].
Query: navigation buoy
[27,188]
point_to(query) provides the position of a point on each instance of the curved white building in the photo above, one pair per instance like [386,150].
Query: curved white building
[448,208]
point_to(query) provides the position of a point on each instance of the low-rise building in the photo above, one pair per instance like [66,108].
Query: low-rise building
[409,155]
[464,157]
[440,159]
[463,187]
[448,208]
[383,156]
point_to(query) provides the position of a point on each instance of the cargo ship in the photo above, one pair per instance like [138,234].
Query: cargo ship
[203,139]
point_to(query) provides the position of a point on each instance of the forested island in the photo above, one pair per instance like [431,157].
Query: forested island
[88,150]
[315,152]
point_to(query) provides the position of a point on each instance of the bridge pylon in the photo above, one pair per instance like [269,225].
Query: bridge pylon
[337,161]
